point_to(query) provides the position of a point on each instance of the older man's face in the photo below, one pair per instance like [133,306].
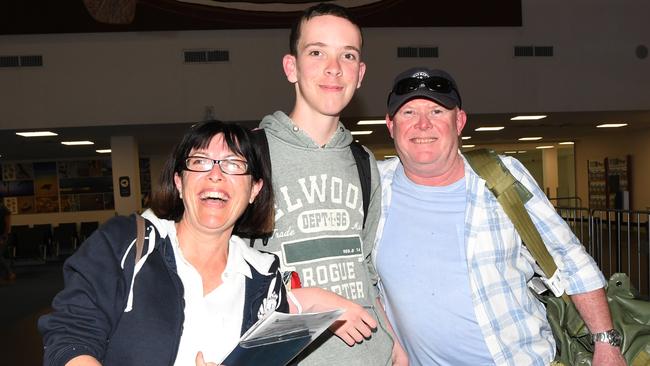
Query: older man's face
[426,136]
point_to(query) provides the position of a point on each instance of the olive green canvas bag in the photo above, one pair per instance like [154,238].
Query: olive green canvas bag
[630,315]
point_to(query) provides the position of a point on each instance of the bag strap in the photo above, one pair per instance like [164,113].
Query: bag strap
[362,160]
[512,195]
[139,241]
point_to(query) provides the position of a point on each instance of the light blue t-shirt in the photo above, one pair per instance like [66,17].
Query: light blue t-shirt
[422,265]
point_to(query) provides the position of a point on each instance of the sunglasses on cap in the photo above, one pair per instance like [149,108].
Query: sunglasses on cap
[435,84]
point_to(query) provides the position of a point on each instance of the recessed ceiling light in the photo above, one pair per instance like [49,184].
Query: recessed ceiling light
[361,132]
[566,143]
[545,147]
[530,138]
[466,137]
[103,151]
[70,143]
[496,128]
[525,118]
[372,122]
[36,134]
[467,146]
[611,125]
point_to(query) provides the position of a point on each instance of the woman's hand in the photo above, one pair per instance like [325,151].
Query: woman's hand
[201,362]
[354,325]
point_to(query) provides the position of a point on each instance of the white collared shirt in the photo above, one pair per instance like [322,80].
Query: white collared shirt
[212,322]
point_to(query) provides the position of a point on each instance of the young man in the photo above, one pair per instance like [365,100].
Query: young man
[320,232]
[453,271]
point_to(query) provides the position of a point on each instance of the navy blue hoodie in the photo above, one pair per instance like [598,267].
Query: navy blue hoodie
[93,315]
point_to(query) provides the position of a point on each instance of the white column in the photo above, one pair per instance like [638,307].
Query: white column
[126,169]
[550,173]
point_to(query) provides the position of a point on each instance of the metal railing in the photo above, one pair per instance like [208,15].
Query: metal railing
[619,240]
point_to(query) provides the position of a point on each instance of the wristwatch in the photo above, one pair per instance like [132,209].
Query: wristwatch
[612,337]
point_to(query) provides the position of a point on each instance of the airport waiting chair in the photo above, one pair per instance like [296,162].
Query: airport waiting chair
[64,239]
[29,246]
[86,229]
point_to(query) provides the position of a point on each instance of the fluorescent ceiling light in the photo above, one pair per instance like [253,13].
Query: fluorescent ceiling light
[611,125]
[389,156]
[545,147]
[361,132]
[372,122]
[103,151]
[70,143]
[36,134]
[530,138]
[465,146]
[521,151]
[496,128]
[566,143]
[527,118]
[509,152]
[466,137]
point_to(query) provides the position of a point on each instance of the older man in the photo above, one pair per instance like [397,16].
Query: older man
[453,270]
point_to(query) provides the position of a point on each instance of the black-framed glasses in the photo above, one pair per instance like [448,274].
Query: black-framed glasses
[227,166]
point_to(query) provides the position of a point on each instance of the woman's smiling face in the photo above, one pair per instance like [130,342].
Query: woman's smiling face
[214,200]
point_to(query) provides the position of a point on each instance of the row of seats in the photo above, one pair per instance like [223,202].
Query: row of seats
[43,242]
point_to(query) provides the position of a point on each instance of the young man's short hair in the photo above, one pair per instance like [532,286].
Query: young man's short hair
[315,11]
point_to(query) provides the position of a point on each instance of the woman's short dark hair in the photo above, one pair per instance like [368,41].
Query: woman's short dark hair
[258,218]
[315,11]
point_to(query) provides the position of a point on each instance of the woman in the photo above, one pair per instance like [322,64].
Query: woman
[197,287]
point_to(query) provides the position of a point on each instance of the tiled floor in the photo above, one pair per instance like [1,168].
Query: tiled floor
[21,303]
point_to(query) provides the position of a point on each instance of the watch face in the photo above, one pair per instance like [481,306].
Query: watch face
[616,338]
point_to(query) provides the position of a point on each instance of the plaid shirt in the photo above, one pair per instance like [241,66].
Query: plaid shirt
[512,321]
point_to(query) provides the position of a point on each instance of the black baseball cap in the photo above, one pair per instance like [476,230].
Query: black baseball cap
[421,82]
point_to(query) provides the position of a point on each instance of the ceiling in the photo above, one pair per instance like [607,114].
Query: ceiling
[73,16]
[158,139]
[41,16]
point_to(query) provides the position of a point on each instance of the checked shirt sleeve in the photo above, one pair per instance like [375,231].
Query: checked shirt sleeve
[578,271]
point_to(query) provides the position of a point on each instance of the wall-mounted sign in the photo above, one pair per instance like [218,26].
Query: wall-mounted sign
[125,187]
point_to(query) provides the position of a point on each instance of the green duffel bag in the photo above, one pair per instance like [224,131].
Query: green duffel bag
[630,315]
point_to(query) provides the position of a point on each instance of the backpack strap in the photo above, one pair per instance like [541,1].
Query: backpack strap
[362,159]
[139,241]
[259,137]
[512,195]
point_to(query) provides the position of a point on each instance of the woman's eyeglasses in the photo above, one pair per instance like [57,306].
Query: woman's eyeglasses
[227,166]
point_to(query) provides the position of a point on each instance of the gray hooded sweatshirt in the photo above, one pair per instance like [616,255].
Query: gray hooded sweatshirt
[318,230]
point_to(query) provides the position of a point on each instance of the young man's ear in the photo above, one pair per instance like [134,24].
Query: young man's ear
[289,67]
[362,72]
